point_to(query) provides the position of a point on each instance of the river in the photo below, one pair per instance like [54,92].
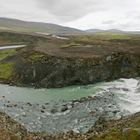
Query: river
[11,47]
[72,108]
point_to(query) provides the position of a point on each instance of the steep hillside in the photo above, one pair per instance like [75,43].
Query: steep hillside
[23,26]
[113,31]
[104,31]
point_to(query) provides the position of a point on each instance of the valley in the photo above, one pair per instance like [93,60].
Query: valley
[70,86]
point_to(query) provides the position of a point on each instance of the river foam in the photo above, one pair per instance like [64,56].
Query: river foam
[128,92]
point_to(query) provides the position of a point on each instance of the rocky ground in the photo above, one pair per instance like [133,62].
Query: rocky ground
[10,129]
[127,128]
[78,116]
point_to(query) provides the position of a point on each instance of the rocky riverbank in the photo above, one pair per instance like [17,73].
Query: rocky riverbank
[10,129]
[127,128]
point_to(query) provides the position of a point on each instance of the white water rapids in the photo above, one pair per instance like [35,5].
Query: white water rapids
[128,92]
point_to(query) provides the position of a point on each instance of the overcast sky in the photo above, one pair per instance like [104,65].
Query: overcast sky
[82,14]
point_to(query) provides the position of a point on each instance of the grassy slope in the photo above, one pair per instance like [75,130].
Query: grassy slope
[6,64]
[6,68]
[6,53]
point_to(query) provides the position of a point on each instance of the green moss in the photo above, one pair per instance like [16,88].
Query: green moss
[6,70]
[106,39]
[111,135]
[137,123]
[108,36]
[6,53]
[130,134]
[36,56]
[72,44]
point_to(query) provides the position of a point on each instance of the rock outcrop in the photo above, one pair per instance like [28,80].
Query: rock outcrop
[51,71]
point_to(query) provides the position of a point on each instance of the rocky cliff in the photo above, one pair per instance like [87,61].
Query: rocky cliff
[50,71]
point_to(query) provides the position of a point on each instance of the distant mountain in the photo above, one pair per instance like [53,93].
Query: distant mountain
[104,31]
[24,26]
[90,31]
[94,31]
[48,28]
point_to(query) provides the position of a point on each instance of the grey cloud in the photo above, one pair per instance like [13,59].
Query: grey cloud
[82,14]
[68,10]
[108,22]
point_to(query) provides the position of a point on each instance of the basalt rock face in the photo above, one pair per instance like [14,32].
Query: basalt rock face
[51,71]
